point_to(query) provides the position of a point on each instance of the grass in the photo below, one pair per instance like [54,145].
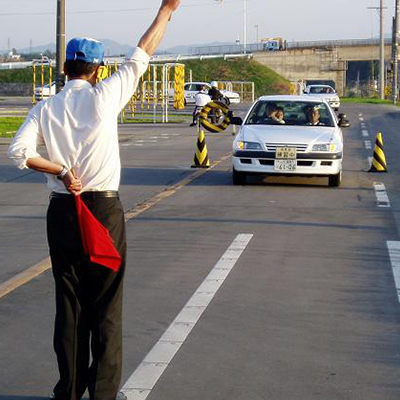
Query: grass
[365,100]
[266,81]
[9,125]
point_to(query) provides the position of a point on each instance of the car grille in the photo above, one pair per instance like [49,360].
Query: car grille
[300,148]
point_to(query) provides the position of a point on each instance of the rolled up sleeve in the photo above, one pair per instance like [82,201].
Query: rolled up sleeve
[25,142]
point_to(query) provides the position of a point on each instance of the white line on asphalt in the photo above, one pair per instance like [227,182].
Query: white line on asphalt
[381,195]
[144,378]
[361,119]
[368,145]
[360,115]
[370,161]
[394,254]
[365,133]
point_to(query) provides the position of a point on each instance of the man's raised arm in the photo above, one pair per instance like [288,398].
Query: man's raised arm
[152,38]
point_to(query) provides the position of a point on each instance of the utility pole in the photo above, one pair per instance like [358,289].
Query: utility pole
[381,50]
[381,54]
[244,25]
[395,88]
[60,45]
[256,26]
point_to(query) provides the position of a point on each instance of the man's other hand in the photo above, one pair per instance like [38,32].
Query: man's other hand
[72,183]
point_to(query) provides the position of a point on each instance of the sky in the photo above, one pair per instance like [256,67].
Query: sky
[197,22]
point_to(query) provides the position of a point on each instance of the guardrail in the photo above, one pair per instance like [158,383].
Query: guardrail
[257,47]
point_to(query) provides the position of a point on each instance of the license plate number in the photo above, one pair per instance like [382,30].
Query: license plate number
[285,165]
[288,153]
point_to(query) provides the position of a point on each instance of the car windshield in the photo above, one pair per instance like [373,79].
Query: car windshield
[300,113]
[320,89]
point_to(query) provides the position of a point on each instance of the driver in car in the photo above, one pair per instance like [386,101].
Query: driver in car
[313,116]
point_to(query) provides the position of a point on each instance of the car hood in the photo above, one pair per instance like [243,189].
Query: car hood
[286,134]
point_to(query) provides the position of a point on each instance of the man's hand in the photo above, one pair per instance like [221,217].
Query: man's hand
[170,5]
[152,37]
[72,183]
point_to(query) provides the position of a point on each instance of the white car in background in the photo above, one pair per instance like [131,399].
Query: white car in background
[293,147]
[43,92]
[324,92]
[191,88]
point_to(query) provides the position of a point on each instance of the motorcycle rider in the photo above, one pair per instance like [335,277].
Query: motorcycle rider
[201,98]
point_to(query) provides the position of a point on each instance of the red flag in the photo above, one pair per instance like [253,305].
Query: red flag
[97,242]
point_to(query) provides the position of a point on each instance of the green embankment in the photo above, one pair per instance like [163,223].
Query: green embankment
[266,81]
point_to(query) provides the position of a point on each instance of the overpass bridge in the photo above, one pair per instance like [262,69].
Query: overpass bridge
[314,60]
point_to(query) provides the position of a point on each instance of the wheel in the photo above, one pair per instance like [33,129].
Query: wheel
[238,177]
[335,180]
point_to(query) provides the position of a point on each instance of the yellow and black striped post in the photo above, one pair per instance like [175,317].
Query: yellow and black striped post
[201,156]
[379,160]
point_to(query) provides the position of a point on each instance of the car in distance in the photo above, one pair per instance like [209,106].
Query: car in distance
[324,92]
[191,88]
[296,146]
[43,92]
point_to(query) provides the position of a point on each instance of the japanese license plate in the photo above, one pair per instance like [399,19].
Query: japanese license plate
[288,153]
[285,165]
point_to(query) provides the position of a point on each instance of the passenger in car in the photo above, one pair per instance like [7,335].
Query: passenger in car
[278,115]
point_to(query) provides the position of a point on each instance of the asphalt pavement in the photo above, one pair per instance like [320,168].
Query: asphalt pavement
[282,289]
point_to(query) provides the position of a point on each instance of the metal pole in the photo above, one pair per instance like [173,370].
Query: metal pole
[381,55]
[60,45]
[396,52]
[244,25]
[256,26]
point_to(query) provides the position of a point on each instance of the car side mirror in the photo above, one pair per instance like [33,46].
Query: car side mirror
[236,120]
[343,121]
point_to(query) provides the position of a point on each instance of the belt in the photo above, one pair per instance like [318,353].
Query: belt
[91,195]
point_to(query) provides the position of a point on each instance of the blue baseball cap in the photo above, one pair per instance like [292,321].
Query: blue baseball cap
[85,49]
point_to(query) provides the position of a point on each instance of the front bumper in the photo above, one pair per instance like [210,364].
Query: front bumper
[312,164]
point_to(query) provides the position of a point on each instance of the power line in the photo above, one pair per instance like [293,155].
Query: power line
[106,11]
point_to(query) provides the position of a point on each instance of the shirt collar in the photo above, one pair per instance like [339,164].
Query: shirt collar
[77,83]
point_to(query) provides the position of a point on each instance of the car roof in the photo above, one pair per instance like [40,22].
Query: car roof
[287,97]
[317,85]
[198,83]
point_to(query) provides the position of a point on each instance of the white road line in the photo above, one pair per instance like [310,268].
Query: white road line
[381,195]
[370,161]
[360,115]
[144,378]
[368,144]
[365,133]
[361,119]
[394,254]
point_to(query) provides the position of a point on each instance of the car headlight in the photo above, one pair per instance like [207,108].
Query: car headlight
[241,145]
[325,147]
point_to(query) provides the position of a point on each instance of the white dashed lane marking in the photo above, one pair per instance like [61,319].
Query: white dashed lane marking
[394,254]
[368,144]
[365,133]
[144,378]
[381,195]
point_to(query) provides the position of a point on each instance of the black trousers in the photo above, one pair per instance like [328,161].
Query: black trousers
[88,323]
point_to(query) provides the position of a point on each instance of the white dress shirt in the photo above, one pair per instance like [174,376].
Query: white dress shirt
[79,127]
[202,98]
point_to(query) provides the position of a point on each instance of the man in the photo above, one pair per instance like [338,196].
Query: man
[201,99]
[313,116]
[79,129]
[214,93]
